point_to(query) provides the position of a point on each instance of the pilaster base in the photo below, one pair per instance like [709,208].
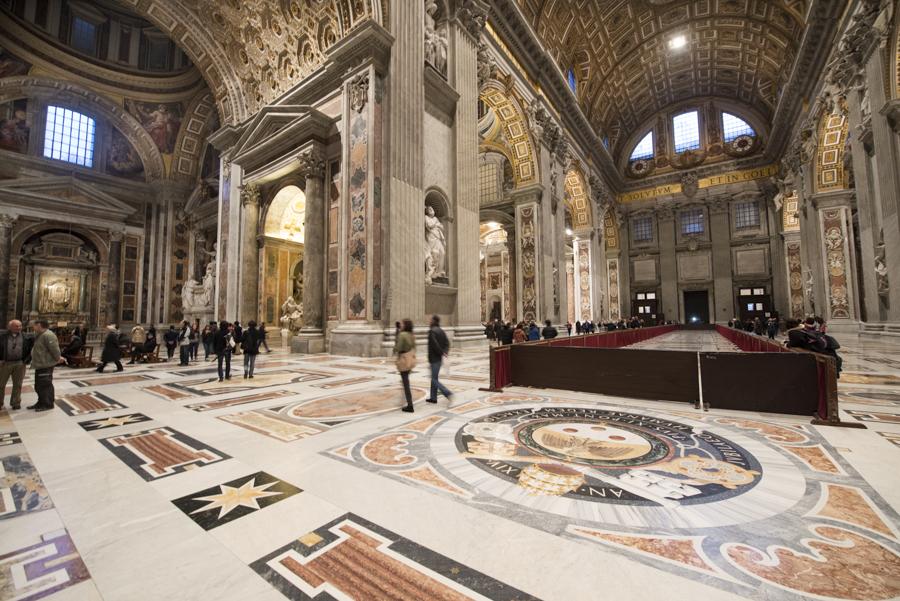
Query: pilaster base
[469,338]
[883,328]
[363,340]
[308,343]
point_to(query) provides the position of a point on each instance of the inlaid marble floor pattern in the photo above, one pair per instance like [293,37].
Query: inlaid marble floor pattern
[307,482]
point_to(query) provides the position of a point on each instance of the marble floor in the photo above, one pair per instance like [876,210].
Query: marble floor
[307,482]
[703,341]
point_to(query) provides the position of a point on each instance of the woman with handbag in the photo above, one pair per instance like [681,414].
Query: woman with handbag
[405,349]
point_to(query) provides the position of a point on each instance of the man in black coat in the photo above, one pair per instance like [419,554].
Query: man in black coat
[15,354]
[549,332]
[72,350]
[111,351]
[438,348]
[171,340]
[223,346]
[506,334]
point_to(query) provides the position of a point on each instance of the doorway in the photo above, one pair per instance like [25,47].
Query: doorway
[696,306]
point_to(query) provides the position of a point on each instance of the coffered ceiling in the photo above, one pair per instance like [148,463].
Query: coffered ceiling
[742,50]
[251,51]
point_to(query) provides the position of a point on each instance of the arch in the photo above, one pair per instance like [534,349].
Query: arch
[199,121]
[232,43]
[286,214]
[831,173]
[48,227]
[48,89]
[577,199]
[436,198]
[515,126]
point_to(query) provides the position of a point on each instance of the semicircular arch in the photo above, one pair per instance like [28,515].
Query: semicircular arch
[71,94]
[577,202]
[515,126]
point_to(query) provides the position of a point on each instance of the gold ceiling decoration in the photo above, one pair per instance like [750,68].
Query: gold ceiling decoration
[626,71]
[510,114]
[252,51]
[577,199]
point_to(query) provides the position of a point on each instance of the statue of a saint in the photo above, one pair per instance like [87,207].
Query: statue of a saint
[291,315]
[435,247]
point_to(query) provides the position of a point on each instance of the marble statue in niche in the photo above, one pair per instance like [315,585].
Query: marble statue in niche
[435,39]
[291,315]
[881,271]
[198,296]
[435,248]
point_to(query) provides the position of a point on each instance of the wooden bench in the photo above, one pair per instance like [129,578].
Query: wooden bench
[84,358]
[148,356]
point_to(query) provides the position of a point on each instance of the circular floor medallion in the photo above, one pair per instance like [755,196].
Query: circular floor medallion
[607,456]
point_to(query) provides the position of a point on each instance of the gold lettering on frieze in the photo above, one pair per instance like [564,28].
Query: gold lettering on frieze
[732,177]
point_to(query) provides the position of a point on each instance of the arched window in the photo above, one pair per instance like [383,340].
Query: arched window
[644,148]
[686,131]
[734,127]
[69,136]
[573,83]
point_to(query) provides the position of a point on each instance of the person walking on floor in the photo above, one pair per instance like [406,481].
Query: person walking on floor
[111,351]
[262,337]
[250,346]
[405,349]
[195,339]
[45,356]
[223,347]
[206,339]
[15,354]
[438,349]
[184,343]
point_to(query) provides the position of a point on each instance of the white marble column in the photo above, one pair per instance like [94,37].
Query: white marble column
[311,337]
[249,254]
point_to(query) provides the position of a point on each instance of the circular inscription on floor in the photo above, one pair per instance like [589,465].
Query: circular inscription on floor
[607,456]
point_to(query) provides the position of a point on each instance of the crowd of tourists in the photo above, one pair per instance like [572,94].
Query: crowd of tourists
[43,352]
[500,332]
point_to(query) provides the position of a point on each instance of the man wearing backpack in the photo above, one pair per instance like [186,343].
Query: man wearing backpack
[438,348]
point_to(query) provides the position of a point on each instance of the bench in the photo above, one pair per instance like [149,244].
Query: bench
[84,358]
[148,356]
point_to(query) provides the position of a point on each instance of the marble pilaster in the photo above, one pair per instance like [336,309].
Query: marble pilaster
[6,226]
[668,269]
[312,169]
[838,265]
[114,287]
[528,245]
[465,80]
[886,158]
[720,236]
[584,309]
[249,254]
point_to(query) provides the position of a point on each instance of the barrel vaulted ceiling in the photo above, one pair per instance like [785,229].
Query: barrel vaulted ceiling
[252,51]
[741,50]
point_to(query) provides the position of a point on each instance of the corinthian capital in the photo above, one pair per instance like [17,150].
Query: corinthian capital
[312,164]
[7,221]
[249,194]
[472,15]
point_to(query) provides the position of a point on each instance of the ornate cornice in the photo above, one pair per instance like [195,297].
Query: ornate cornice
[472,16]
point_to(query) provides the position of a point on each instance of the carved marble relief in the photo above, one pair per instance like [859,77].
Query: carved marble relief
[358,171]
[834,236]
[795,278]
[584,280]
[612,271]
[528,257]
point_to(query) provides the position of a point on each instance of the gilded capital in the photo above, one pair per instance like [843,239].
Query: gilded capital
[312,164]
